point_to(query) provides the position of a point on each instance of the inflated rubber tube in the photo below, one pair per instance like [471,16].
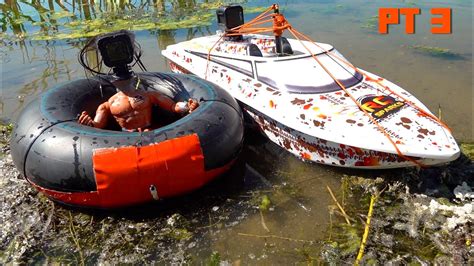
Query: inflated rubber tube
[81,165]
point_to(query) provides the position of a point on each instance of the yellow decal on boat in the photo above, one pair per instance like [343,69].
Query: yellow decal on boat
[380,106]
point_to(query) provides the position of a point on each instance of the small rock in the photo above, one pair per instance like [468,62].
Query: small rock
[463,192]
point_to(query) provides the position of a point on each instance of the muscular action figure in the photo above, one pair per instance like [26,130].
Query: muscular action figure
[132,108]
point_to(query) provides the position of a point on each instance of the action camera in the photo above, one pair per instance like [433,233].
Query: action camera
[117,50]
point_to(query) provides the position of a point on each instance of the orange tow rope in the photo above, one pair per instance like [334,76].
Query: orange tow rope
[376,81]
[380,127]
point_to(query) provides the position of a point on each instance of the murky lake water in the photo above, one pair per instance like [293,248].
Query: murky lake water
[224,217]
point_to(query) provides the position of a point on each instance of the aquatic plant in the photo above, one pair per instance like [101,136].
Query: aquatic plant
[265,203]
[436,51]
[214,259]
[6,129]
[402,223]
[410,2]
[328,9]
[90,28]
[371,24]
[468,150]
[58,22]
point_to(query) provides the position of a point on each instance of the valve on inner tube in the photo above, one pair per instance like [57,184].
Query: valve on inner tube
[154,192]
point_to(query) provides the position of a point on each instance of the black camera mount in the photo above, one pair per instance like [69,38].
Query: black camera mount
[117,51]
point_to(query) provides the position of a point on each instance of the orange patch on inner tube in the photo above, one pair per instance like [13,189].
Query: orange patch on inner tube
[125,174]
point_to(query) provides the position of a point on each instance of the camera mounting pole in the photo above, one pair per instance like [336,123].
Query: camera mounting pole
[123,72]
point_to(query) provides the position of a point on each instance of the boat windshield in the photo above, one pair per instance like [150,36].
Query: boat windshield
[305,75]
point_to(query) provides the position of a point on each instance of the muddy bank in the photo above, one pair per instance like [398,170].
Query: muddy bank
[424,217]
[253,216]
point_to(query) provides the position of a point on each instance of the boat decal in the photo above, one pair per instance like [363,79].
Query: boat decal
[380,106]
[272,104]
[425,131]
[177,68]
[332,99]
[297,101]
[266,45]
[232,48]
[404,122]
[214,60]
[319,150]
[318,123]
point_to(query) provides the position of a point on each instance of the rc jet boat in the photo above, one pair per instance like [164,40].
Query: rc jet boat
[310,100]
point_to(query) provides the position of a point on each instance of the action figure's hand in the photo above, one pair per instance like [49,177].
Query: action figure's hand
[85,119]
[186,107]
[192,104]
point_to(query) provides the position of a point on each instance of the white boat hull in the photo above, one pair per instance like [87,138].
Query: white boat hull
[310,148]
[325,126]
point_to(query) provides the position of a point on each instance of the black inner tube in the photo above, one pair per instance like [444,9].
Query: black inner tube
[219,129]
[75,119]
[34,140]
[221,101]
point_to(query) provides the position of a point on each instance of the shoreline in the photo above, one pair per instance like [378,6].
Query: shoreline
[419,215]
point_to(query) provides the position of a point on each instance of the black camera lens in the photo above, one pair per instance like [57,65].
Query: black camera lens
[116,50]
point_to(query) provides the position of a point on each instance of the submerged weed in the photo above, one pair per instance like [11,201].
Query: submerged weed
[436,51]
[468,150]
[265,203]
[348,239]
[405,227]
[214,259]
[107,17]
[410,3]
[371,24]
[328,9]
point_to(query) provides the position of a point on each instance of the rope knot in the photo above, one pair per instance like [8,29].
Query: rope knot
[279,24]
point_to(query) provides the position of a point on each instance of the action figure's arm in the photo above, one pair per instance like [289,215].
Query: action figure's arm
[101,116]
[167,103]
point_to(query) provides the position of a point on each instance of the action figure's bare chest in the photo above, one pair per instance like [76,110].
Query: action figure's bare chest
[123,105]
